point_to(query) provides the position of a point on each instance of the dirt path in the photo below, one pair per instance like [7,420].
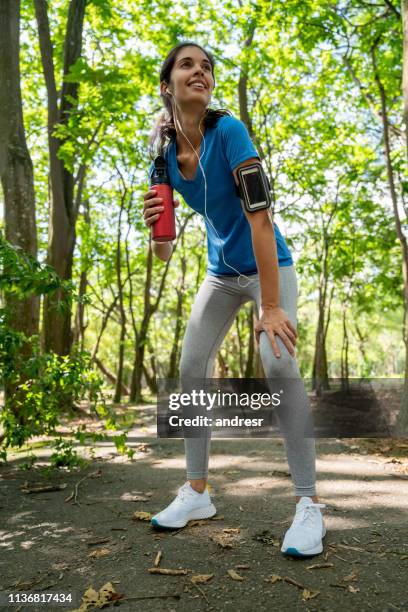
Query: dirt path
[54,541]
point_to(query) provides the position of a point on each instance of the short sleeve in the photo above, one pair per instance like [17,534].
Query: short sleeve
[237,141]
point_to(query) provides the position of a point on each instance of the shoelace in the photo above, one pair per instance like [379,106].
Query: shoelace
[306,514]
[182,494]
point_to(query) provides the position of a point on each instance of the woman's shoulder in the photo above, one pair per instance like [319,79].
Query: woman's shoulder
[232,127]
[226,121]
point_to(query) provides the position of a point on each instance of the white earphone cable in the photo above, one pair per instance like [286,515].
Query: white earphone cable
[205,192]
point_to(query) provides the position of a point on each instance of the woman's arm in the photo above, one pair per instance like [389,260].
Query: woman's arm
[266,255]
[273,319]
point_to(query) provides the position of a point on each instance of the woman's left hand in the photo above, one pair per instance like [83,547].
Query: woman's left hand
[276,321]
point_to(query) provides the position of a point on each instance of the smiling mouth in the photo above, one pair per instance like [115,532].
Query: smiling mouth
[197,86]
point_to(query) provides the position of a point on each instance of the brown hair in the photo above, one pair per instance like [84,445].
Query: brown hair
[164,128]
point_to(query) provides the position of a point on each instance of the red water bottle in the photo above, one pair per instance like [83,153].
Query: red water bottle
[164,229]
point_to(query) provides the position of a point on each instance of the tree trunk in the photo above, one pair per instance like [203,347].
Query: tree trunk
[404,13]
[249,367]
[344,354]
[361,342]
[240,349]
[109,375]
[320,378]
[150,380]
[173,368]
[16,172]
[57,335]
[222,371]
[141,334]
[80,326]
[402,420]
[122,337]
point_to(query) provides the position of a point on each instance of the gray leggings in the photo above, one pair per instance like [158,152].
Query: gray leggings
[215,307]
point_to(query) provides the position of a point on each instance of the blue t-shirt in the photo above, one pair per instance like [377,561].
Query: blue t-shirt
[227,145]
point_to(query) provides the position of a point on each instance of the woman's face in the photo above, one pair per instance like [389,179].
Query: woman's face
[191,79]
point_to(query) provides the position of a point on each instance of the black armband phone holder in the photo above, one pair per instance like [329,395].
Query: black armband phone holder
[253,187]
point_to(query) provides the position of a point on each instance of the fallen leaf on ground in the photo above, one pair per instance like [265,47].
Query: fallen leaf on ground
[350,578]
[134,498]
[142,516]
[266,537]
[98,599]
[353,589]
[143,447]
[233,574]
[99,552]
[200,578]
[275,578]
[221,541]
[309,594]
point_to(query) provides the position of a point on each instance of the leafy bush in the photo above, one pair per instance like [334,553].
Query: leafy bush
[43,381]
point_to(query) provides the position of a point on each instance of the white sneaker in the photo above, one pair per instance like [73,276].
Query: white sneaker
[304,536]
[188,505]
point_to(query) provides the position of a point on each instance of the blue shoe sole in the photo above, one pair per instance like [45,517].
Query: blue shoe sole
[293,552]
[155,523]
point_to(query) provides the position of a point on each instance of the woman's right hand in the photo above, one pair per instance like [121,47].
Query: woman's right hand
[153,206]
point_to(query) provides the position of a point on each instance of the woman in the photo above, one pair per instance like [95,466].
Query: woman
[208,145]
